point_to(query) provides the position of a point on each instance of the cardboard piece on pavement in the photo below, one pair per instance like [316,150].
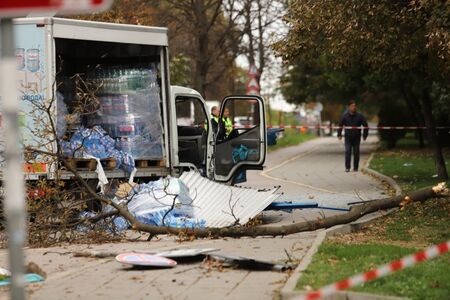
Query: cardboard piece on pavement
[185,253]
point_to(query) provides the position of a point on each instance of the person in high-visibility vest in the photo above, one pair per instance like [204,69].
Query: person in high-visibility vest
[214,118]
[227,122]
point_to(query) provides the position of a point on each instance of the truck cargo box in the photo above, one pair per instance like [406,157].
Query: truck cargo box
[111,76]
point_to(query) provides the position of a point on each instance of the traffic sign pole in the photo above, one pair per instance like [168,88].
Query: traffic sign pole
[14,203]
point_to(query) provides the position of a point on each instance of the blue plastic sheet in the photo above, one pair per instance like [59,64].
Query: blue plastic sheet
[165,202]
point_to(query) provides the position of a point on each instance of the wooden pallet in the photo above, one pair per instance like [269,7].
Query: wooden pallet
[91,164]
[145,163]
[82,163]
[108,163]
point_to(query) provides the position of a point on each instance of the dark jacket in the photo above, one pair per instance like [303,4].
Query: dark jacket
[357,120]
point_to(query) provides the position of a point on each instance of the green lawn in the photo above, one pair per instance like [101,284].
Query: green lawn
[333,262]
[411,168]
[404,232]
[291,137]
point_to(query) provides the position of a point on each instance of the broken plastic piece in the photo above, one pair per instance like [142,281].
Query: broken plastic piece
[29,278]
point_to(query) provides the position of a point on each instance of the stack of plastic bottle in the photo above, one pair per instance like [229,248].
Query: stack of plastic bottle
[96,142]
[130,109]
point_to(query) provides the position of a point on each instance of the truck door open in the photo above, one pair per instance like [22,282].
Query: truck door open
[192,127]
[241,139]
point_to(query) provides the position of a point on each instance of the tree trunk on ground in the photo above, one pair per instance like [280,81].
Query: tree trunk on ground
[432,136]
[355,213]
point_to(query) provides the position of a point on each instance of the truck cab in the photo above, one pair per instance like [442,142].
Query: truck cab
[226,154]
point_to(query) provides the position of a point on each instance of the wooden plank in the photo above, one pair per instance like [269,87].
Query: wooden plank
[82,163]
[109,163]
[145,163]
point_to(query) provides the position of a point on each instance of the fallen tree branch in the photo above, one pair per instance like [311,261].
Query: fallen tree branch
[355,213]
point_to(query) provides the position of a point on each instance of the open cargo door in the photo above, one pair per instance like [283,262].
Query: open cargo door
[241,138]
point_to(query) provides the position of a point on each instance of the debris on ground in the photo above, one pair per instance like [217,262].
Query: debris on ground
[249,263]
[190,201]
[34,273]
[145,260]
[29,278]
[32,267]
[175,253]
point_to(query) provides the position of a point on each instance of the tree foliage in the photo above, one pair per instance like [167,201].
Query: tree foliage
[399,45]
[386,36]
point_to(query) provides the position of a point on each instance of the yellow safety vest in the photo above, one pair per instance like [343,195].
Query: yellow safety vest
[215,119]
[228,125]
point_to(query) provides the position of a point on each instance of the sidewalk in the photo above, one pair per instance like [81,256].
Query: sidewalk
[314,171]
[316,174]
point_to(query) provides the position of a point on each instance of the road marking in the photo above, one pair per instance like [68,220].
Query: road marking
[265,174]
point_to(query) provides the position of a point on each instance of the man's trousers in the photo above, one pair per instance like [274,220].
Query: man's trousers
[352,145]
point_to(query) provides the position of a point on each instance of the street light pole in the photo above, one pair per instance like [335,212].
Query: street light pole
[14,203]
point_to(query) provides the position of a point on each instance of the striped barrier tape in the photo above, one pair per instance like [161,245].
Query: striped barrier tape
[384,270]
[337,127]
[349,127]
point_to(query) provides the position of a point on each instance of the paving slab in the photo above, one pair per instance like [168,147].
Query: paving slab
[92,278]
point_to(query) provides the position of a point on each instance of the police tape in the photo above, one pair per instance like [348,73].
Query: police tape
[384,270]
[352,127]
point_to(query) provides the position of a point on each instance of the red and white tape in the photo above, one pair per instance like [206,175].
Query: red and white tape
[352,127]
[384,270]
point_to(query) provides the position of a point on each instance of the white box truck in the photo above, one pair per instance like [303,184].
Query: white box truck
[113,79]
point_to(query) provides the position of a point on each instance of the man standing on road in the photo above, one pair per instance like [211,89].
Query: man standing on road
[352,135]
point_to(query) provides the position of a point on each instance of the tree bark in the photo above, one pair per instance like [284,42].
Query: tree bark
[431,130]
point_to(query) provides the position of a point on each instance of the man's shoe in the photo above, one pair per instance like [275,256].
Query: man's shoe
[355,170]
[347,170]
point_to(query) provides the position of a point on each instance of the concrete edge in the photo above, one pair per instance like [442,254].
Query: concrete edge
[290,284]
[381,177]
[287,292]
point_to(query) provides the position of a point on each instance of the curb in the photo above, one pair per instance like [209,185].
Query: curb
[381,177]
[288,289]
[287,292]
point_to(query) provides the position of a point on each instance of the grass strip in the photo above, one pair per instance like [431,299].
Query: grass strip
[333,262]
[291,137]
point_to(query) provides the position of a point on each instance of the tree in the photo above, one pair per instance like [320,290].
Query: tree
[136,12]
[395,40]
[203,37]
[306,81]
[258,24]
[205,31]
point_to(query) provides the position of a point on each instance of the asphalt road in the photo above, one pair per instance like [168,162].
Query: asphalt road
[310,172]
